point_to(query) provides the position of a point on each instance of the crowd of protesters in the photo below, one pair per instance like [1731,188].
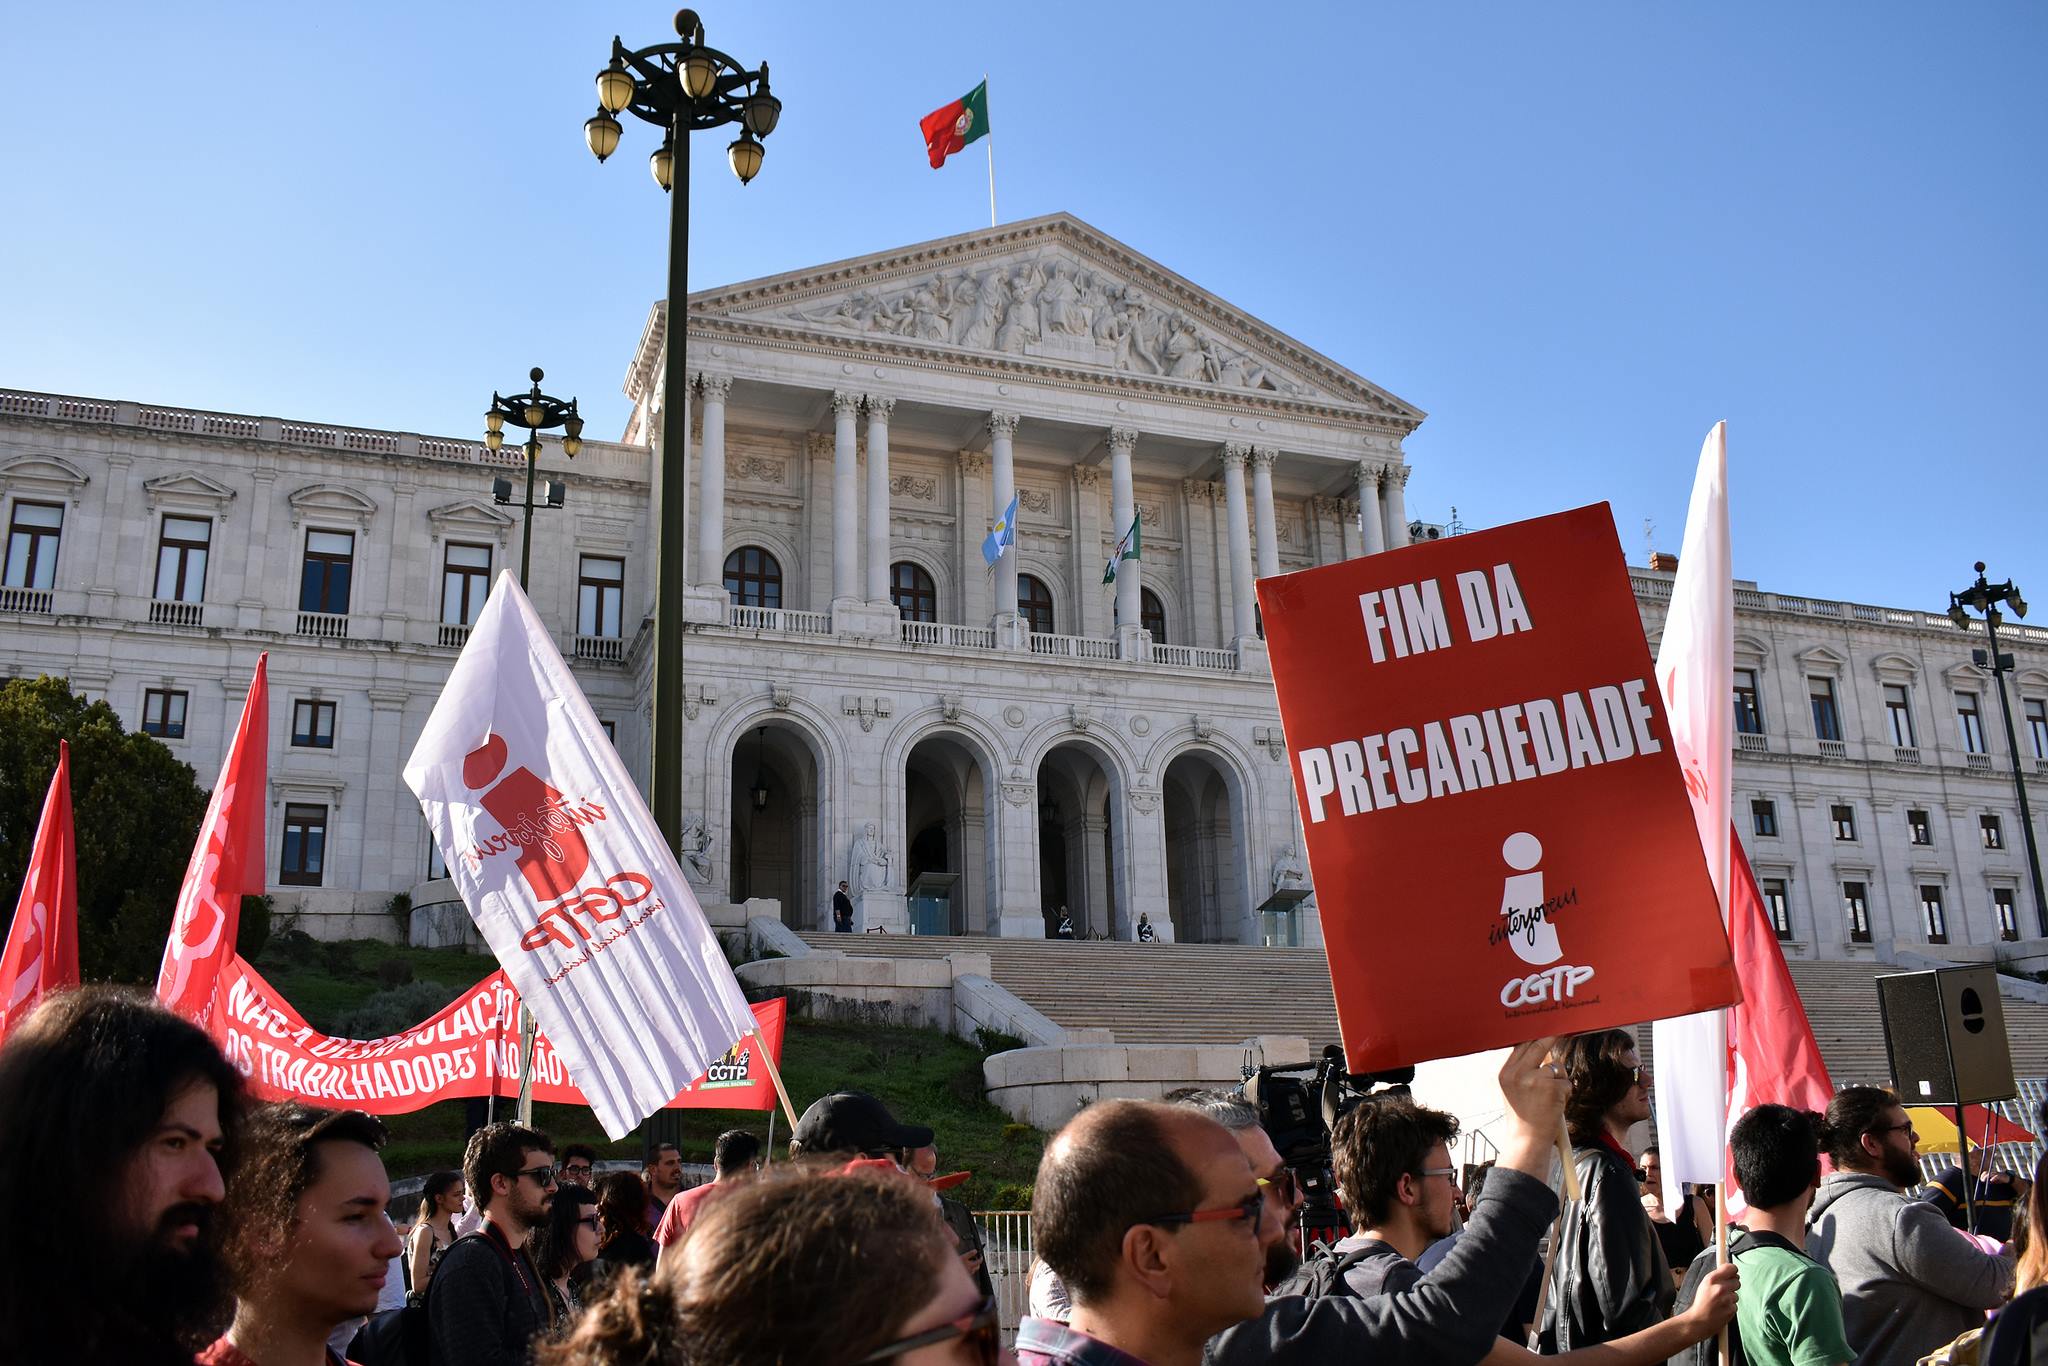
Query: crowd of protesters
[178,1222]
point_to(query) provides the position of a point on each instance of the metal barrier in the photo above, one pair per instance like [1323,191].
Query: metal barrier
[1006,1251]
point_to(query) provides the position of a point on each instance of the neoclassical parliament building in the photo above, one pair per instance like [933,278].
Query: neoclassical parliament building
[975,749]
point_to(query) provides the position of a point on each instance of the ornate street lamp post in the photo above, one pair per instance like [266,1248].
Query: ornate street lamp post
[1985,596]
[537,413]
[678,87]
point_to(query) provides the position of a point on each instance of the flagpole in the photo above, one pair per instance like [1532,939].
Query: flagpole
[988,143]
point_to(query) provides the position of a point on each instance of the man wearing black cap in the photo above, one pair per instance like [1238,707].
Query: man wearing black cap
[853,1124]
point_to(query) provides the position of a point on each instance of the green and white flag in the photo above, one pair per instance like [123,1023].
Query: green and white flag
[1126,549]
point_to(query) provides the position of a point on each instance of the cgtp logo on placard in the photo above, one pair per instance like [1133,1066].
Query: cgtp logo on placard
[1526,926]
[734,1069]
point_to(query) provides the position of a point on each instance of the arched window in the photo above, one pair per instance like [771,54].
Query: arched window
[912,590]
[1152,615]
[1034,603]
[753,578]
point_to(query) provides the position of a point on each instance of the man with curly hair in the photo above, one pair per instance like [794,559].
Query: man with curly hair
[128,1116]
[1611,1278]
[312,1243]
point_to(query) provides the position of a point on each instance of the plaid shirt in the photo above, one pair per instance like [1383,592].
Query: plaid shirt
[1042,1342]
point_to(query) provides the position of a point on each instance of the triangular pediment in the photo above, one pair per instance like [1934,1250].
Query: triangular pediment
[188,488]
[470,514]
[1050,292]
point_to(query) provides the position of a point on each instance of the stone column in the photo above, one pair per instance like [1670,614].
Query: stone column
[712,391]
[878,500]
[1244,625]
[1141,874]
[1262,510]
[1016,913]
[971,496]
[400,603]
[1001,428]
[845,499]
[1122,507]
[1371,521]
[1085,571]
[256,554]
[1395,480]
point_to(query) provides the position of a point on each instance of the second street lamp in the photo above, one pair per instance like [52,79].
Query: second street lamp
[1985,596]
[537,412]
[678,87]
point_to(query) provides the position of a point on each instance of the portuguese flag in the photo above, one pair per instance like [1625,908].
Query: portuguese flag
[951,128]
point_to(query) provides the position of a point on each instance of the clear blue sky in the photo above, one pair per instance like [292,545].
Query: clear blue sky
[1576,234]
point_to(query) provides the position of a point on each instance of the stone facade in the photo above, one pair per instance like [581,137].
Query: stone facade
[1918,764]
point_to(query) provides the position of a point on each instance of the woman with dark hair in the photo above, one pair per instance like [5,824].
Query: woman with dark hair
[132,1113]
[622,1216]
[1610,1278]
[440,1202]
[311,1246]
[564,1249]
[799,1269]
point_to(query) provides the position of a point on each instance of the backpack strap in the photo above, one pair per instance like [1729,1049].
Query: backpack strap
[1752,1240]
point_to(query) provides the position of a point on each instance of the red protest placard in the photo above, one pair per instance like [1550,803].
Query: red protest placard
[1498,830]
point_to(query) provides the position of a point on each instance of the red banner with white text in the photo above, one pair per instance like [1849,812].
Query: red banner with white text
[469,1048]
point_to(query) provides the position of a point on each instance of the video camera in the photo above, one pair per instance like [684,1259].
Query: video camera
[1297,1111]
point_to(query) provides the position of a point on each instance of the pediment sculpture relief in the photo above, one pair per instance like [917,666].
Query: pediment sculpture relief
[1051,308]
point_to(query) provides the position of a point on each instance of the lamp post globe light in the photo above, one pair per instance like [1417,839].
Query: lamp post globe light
[536,412]
[680,88]
[1984,597]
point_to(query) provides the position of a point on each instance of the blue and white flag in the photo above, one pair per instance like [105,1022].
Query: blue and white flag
[1003,537]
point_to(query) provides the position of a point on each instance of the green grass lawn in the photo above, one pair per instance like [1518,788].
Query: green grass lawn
[923,1076]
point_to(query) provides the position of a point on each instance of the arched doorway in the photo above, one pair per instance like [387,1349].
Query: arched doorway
[1077,843]
[949,825]
[775,823]
[1206,892]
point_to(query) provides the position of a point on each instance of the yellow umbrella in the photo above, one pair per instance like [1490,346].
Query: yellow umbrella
[1937,1128]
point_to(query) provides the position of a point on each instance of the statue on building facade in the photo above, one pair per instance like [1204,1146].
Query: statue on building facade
[868,866]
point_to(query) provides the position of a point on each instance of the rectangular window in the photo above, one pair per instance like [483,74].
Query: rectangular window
[181,559]
[465,583]
[1844,818]
[305,845]
[1763,817]
[312,724]
[1749,708]
[436,865]
[1856,909]
[1919,830]
[1773,889]
[32,538]
[163,714]
[1992,830]
[1827,721]
[1933,915]
[1898,714]
[600,596]
[2036,710]
[330,562]
[611,732]
[2008,917]
[1969,725]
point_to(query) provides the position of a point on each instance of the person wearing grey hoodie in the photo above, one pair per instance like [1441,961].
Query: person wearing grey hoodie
[1910,1282]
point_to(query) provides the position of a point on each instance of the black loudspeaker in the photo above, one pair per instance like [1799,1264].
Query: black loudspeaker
[1945,1034]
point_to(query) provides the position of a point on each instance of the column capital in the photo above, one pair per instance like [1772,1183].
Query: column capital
[714,388]
[1263,457]
[973,462]
[1001,423]
[1088,476]
[1123,438]
[1368,479]
[1235,453]
[845,403]
[819,444]
[1398,474]
[879,405]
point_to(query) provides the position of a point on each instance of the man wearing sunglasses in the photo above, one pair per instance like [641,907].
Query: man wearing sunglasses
[486,1300]
[1283,1193]
[1910,1283]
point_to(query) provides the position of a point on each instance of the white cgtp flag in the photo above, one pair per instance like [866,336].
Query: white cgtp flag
[566,875]
[1695,667]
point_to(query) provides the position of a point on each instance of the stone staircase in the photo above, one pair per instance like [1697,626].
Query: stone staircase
[1225,993]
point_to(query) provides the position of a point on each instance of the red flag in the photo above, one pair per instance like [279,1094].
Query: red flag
[41,955]
[227,864]
[1772,1056]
